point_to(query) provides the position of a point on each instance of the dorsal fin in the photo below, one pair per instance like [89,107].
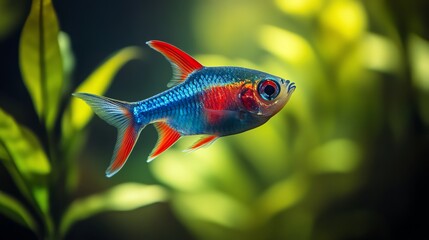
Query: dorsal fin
[181,62]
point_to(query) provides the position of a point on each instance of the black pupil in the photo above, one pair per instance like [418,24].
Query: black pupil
[269,90]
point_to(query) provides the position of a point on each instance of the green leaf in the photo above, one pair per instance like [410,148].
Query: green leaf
[13,209]
[23,146]
[13,172]
[40,60]
[282,195]
[381,54]
[335,156]
[298,51]
[214,207]
[3,153]
[419,57]
[28,157]
[212,167]
[68,58]
[124,197]
[78,114]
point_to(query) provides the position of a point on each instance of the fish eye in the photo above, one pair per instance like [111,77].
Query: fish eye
[268,89]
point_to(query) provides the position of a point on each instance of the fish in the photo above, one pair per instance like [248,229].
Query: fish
[209,101]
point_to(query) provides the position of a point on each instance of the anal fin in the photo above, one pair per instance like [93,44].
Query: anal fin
[203,142]
[167,136]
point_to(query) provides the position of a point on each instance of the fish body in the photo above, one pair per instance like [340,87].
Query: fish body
[207,103]
[212,101]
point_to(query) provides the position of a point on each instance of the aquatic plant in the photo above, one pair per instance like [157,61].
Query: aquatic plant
[43,167]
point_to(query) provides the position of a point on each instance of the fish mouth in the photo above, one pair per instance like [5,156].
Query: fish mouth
[291,87]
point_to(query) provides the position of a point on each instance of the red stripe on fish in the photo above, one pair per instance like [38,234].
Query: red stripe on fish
[218,99]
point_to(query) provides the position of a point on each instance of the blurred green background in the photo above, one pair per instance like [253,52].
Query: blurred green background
[345,159]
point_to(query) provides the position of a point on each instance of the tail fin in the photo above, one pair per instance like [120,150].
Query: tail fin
[118,114]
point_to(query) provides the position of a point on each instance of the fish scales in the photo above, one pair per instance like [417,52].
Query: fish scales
[211,101]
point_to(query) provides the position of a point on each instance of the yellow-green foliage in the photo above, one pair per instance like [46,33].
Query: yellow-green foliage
[41,175]
[360,79]
[275,181]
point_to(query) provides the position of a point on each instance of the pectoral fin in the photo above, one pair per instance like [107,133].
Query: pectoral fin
[214,116]
[203,142]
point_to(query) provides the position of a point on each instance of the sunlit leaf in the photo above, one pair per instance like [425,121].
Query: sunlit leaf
[124,197]
[380,53]
[78,113]
[67,57]
[28,157]
[170,170]
[40,60]
[346,19]
[419,56]
[338,155]
[14,210]
[219,60]
[211,167]
[218,208]
[282,195]
[23,146]
[341,24]
[270,160]
[238,20]
[286,45]
[13,172]
[299,7]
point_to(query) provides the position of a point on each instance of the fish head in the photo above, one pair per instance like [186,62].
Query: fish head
[265,95]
